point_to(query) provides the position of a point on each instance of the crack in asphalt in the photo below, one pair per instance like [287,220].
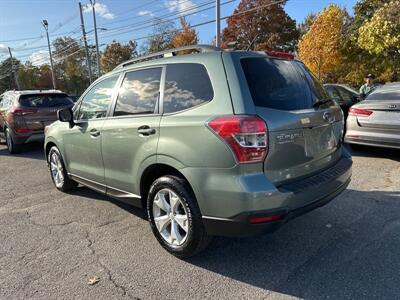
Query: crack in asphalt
[118,286]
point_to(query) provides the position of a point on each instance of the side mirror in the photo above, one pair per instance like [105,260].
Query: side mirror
[66,115]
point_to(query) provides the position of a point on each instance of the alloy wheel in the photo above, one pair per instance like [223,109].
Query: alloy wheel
[57,170]
[170,217]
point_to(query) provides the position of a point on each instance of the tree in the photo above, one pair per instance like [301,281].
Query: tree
[161,37]
[70,65]
[320,48]
[116,53]
[7,81]
[381,34]
[358,61]
[305,26]
[187,36]
[269,27]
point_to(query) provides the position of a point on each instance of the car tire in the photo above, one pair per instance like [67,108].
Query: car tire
[12,147]
[58,173]
[175,217]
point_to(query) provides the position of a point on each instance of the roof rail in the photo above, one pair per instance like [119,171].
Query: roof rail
[167,53]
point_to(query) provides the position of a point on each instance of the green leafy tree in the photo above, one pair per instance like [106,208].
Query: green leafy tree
[70,65]
[381,35]
[116,53]
[7,81]
[269,27]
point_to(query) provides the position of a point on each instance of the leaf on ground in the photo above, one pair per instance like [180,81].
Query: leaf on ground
[93,280]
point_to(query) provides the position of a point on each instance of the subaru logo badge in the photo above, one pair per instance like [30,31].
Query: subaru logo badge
[392,106]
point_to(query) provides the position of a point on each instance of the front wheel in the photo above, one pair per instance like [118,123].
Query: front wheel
[175,217]
[58,172]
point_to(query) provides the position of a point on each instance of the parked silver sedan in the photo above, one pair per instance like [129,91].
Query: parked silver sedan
[376,120]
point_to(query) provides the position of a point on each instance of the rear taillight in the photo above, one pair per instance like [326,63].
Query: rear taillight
[247,136]
[18,111]
[360,112]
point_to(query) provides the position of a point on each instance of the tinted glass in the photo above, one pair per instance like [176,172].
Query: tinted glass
[275,83]
[346,95]
[139,92]
[385,94]
[186,86]
[317,90]
[333,93]
[44,100]
[96,102]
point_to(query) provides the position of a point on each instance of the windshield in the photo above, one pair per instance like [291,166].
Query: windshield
[45,100]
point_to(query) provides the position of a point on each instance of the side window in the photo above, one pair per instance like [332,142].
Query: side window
[346,96]
[186,85]
[139,92]
[7,101]
[96,102]
[333,94]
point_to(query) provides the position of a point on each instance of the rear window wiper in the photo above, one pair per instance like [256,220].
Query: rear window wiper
[322,102]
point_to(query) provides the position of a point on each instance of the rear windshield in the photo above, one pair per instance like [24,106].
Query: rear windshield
[45,100]
[385,94]
[281,84]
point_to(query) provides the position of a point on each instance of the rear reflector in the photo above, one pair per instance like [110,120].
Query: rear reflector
[245,135]
[280,54]
[265,219]
[360,112]
[22,130]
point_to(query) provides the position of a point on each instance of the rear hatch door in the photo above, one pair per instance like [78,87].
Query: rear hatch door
[40,110]
[305,127]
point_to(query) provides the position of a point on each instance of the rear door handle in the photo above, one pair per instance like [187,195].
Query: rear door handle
[146,130]
[94,133]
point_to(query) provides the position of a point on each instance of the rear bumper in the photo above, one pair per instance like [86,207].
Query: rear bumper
[286,201]
[370,136]
[359,138]
[239,226]
[30,138]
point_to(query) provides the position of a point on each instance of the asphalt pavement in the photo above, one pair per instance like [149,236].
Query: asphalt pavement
[53,245]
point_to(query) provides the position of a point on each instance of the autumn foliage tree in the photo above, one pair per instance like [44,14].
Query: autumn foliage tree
[116,53]
[381,35]
[320,48]
[270,27]
[186,36]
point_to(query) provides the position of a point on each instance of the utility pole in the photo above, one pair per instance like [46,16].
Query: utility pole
[96,38]
[46,27]
[86,45]
[12,69]
[218,23]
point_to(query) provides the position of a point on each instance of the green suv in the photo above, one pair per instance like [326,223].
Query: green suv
[226,143]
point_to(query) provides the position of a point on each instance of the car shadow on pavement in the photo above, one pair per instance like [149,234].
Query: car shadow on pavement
[345,250]
[83,191]
[33,151]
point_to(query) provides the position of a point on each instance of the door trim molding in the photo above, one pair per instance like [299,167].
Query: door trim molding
[121,195]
